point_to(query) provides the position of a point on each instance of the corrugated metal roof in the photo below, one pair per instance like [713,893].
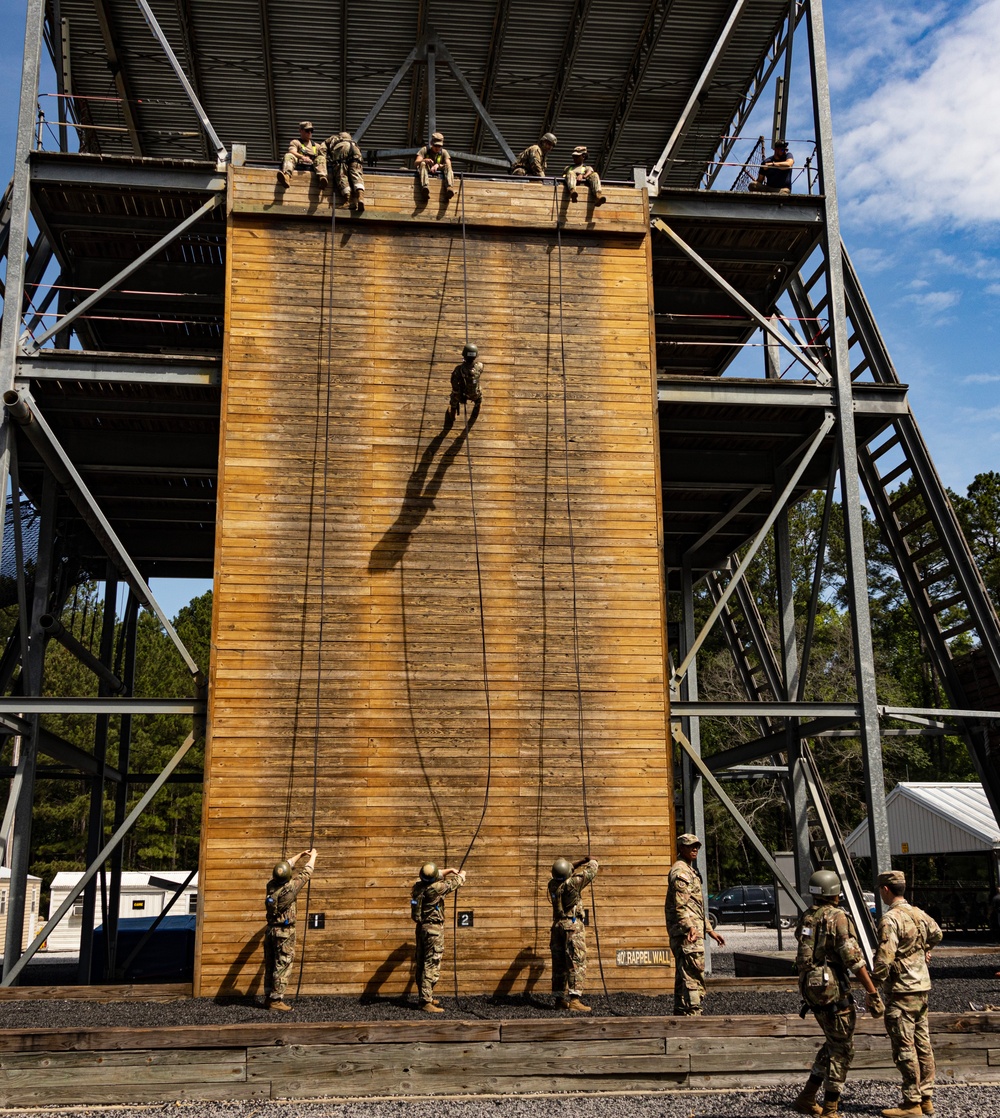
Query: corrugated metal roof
[259,67]
[932,818]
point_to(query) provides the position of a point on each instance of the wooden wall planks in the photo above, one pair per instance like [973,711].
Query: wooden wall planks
[350,546]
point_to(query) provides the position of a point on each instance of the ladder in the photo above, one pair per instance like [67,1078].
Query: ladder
[935,563]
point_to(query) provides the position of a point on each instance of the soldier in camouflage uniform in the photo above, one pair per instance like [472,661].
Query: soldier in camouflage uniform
[531,161]
[568,939]
[348,176]
[435,160]
[906,935]
[465,381]
[279,938]
[304,155]
[829,953]
[427,909]
[579,171]
[687,927]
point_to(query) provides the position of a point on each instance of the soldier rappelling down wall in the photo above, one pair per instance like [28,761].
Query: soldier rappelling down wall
[279,938]
[568,939]
[346,165]
[427,910]
[465,382]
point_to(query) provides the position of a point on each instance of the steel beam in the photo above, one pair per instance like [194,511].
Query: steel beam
[870,400]
[11,973]
[118,74]
[97,171]
[476,103]
[741,822]
[25,410]
[54,628]
[565,64]
[690,110]
[783,499]
[768,744]
[500,16]
[220,148]
[129,269]
[45,704]
[711,709]
[195,372]
[857,574]
[821,375]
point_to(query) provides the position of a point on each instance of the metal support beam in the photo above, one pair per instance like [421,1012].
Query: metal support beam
[769,743]
[121,81]
[220,148]
[500,16]
[431,91]
[821,375]
[783,499]
[741,822]
[33,676]
[566,63]
[84,306]
[857,574]
[690,110]
[389,90]
[11,973]
[184,19]
[54,628]
[469,92]
[22,406]
[44,704]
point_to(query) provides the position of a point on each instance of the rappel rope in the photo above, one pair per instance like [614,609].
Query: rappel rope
[322,576]
[572,564]
[482,613]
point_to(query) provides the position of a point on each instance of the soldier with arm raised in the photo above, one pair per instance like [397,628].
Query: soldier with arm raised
[568,938]
[427,909]
[279,937]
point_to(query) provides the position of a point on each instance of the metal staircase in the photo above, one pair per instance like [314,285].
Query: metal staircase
[933,558]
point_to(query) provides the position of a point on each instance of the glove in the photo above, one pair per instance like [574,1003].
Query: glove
[874,1004]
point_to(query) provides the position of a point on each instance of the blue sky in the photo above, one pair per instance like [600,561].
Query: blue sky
[916,108]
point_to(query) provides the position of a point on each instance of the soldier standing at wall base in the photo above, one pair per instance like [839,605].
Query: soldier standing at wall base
[304,155]
[568,939]
[348,176]
[579,171]
[435,160]
[829,953]
[531,161]
[906,935]
[279,938]
[427,910]
[687,927]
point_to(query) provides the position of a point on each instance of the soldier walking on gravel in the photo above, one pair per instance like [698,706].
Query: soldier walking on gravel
[427,910]
[906,936]
[568,939]
[829,953]
[687,927]
[279,938]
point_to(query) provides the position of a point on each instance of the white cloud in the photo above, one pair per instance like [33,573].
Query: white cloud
[993,289]
[925,147]
[975,265]
[981,378]
[934,301]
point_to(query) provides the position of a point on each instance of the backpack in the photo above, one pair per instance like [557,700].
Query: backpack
[818,984]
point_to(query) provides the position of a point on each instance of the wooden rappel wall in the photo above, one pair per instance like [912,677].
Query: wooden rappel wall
[410,616]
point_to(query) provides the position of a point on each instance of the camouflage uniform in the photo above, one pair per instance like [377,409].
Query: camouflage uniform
[302,156]
[279,939]
[906,934]
[827,938]
[426,158]
[684,910]
[583,172]
[531,161]
[345,157]
[568,938]
[428,901]
[465,385]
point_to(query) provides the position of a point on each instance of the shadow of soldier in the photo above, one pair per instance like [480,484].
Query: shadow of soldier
[527,959]
[404,953]
[229,994]
[418,499]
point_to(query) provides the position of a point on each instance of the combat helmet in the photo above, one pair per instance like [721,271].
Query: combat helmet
[429,872]
[470,350]
[282,871]
[548,138]
[825,883]
[562,867]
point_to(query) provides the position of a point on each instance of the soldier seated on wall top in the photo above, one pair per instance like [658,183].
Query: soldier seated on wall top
[531,161]
[304,155]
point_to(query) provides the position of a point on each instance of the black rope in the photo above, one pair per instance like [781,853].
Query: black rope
[576,625]
[482,619]
[322,574]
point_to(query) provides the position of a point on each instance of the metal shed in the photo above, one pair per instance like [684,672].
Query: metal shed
[934,818]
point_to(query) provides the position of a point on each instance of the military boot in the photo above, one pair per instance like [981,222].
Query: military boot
[430,1007]
[806,1102]
[449,193]
[280,1005]
[573,195]
[907,1110]
[600,200]
[830,1106]
[574,1005]
[926,1105]
[324,182]
[358,201]
[284,178]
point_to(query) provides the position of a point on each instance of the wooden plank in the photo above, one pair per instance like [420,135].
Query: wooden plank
[153,992]
[41,1094]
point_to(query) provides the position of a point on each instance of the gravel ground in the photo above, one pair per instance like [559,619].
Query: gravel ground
[957,983]
[862,1097]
